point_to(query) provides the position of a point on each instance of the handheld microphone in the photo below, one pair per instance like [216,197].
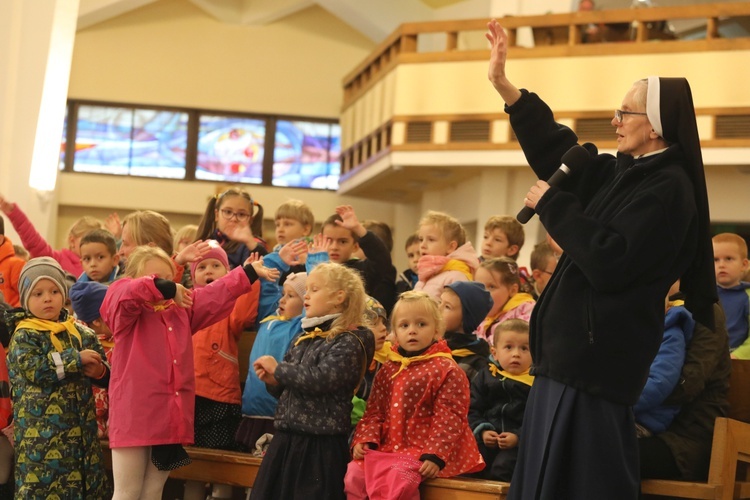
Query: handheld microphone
[572,160]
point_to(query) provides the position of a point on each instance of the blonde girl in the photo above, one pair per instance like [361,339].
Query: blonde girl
[415,425]
[235,220]
[69,258]
[315,383]
[500,276]
[152,388]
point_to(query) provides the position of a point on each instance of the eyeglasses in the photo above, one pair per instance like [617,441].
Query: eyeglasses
[228,213]
[619,114]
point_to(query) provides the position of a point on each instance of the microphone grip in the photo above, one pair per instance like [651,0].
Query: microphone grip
[525,215]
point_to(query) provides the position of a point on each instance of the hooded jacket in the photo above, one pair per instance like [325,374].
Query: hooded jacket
[10,271]
[432,277]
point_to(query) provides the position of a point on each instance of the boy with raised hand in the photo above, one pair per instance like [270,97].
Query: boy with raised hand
[99,257]
[731,264]
[345,234]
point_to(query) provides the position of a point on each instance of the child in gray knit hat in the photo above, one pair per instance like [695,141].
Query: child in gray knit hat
[52,362]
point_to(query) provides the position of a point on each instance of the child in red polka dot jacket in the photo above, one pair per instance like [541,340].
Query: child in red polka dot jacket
[415,426]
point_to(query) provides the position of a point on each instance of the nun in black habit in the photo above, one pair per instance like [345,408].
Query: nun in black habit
[630,225]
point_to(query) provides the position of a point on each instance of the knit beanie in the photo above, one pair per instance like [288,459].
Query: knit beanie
[87,298]
[298,282]
[216,252]
[476,303]
[38,269]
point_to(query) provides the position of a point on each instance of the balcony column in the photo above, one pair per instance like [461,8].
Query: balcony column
[36,49]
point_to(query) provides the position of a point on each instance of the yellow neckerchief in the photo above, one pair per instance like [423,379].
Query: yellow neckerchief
[405,362]
[384,353]
[162,307]
[524,377]
[513,302]
[54,328]
[106,343]
[675,303]
[311,335]
[460,266]
[273,317]
[461,353]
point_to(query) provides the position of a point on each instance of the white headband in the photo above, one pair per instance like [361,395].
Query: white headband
[653,101]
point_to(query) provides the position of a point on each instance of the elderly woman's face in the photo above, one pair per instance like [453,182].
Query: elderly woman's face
[635,136]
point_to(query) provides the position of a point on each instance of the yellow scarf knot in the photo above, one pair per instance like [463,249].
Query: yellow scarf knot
[311,335]
[163,306]
[273,317]
[405,362]
[524,377]
[54,328]
[460,266]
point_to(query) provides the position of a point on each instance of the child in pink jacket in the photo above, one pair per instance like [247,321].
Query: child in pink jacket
[69,258]
[446,255]
[152,386]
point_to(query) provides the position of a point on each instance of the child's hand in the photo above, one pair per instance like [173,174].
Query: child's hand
[241,233]
[349,220]
[263,272]
[5,205]
[360,450]
[507,440]
[192,252]
[319,244]
[293,253]
[183,297]
[92,363]
[114,225]
[429,469]
[489,438]
[265,368]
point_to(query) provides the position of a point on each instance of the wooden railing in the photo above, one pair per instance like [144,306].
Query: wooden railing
[730,127]
[556,35]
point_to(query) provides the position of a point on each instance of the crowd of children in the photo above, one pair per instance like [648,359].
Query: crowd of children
[361,379]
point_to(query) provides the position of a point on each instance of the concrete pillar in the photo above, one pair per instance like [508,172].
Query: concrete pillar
[36,48]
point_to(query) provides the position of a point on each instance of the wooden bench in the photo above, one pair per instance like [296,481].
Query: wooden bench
[730,450]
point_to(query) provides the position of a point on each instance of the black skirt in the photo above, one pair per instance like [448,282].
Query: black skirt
[575,446]
[216,424]
[304,467]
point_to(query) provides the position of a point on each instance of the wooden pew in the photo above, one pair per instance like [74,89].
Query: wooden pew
[730,450]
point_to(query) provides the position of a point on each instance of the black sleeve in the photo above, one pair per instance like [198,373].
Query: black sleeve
[167,288]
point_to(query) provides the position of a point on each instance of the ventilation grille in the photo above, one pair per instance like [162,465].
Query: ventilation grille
[419,132]
[470,131]
[593,129]
[732,126]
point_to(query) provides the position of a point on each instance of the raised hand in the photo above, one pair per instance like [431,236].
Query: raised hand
[241,233]
[5,205]
[193,252]
[498,56]
[319,244]
[263,272]
[114,225]
[183,297]
[349,220]
[294,252]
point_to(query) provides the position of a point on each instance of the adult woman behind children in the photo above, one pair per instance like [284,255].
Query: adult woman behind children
[629,226]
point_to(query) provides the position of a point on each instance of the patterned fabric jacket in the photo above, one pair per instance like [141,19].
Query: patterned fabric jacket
[422,411]
[57,451]
[317,380]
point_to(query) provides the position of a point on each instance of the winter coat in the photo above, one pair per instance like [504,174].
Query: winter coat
[519,306]
[215,351]
[317,380]
[376,270]
[152,388]
[58,454]
[10,271]
[471,353]
[432,278]
[664,375]
[629,228]
[736,304]
[421,410]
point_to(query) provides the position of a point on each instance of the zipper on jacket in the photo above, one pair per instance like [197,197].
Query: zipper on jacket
[589,316]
